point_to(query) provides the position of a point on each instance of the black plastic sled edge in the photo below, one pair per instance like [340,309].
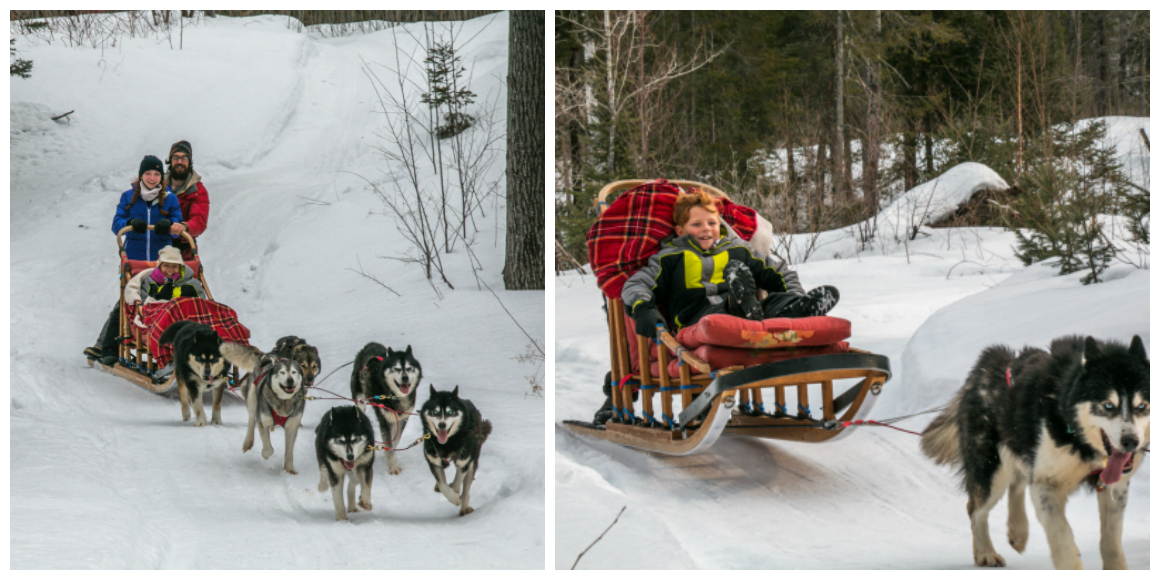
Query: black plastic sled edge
[795,366]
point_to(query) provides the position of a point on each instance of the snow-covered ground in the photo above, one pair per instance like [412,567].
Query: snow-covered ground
[870,500]
[283,127]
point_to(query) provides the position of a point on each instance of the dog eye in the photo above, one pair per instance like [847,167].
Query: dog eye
[1142,407]
[1109,407]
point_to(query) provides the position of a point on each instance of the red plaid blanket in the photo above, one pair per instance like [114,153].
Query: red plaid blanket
[159,315]
[631,229]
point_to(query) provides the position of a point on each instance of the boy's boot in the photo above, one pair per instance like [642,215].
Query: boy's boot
[816,302]
[742,291]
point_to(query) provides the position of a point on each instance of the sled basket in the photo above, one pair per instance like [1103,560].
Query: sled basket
[139,355]
[703,390]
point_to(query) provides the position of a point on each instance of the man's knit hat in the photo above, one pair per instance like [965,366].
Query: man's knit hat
[150,162]
[182,146]
[169,255]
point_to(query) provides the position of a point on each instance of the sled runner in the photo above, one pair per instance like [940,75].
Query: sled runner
[718,375]
[139,354]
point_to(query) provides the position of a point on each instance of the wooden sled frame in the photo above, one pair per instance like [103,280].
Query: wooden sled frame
[709,396]
[134,361]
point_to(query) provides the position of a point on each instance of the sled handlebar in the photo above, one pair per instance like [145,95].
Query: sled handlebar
[127,229]
[630,183]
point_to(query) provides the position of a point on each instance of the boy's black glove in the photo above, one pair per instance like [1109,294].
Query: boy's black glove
[647,318]
[165,292]
[138,225]
[161,228]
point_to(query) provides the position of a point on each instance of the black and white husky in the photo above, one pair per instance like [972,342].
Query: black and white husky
[344,444]
[1078,415]
[198,366]
[455,433]
[393,376]
[274,396]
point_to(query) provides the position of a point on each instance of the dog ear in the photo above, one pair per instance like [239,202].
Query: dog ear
[1091,350]
[408,350]
[432,391]
[389,351]
[455,393]
[1137,349]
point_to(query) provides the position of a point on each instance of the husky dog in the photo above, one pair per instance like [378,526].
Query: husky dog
[306,355]
[344,442]
[198,367]
[273,389]
[455,432]
[393,375]
[1077,415]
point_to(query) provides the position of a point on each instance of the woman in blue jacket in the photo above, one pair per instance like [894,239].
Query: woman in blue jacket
[146,204]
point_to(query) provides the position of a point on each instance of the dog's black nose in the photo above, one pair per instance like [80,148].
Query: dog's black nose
[1129,443]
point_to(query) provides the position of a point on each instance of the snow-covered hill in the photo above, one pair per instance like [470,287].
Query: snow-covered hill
[870,500]
[283,127]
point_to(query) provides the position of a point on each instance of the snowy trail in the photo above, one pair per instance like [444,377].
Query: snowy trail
[94,457]
[868,501]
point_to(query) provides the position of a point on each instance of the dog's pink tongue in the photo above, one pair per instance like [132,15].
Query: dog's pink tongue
[1115,467]
[441,435]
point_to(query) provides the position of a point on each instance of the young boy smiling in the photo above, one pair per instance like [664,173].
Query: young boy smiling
[697,273]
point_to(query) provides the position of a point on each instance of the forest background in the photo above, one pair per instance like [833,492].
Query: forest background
[819,118]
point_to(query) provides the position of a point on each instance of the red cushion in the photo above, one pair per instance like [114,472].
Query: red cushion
[725,330]
[723,356]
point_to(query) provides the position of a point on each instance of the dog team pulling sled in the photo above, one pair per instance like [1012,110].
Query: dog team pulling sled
[142,355]
[722,371]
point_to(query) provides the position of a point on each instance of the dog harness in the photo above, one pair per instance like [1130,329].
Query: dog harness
[278,419]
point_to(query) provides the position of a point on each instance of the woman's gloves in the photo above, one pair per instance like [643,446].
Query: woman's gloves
[161,228]
[138,225]
[647,317]
[166,291]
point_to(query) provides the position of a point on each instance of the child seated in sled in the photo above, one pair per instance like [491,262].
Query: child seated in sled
[697,272]
[170,279]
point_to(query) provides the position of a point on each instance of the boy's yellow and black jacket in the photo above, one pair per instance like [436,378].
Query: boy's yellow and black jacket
[688,282]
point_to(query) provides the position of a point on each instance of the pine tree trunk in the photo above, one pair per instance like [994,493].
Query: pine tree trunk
[873,119]
[839,157]
[524,257]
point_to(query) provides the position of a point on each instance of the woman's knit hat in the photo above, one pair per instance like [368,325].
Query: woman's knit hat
[150,162]
[169,255]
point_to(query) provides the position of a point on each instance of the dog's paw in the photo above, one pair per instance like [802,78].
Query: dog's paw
[465,510]
[200,422]
[366,505]
[1017,539]
[352,509]
[341,518]
[323,486]
[267,452]
[248,444]
[436,488]
[991,560]
[395,470]
[452,497]
[217,421]
[290,470]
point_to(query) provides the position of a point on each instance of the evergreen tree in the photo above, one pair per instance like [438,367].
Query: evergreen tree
[18,67]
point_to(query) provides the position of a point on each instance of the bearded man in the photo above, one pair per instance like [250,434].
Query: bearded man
[191,194]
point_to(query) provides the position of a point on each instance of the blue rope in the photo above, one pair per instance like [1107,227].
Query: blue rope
[745,407]
[627,417]
[667,389]
[668,419]
[648,387]
[651,420]
[781,408]
[761,407]
[689,387]
[801,408]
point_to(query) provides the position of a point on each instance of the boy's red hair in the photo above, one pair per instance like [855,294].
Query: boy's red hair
[690,199]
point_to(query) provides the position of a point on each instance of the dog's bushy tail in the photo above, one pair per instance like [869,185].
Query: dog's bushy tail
[485,428]
[243,356]
[940,439]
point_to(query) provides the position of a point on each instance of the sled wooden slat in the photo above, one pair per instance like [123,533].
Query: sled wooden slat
[672,442]
[684,354]
[828,400]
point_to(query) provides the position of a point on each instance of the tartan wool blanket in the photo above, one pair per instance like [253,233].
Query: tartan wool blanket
[631,229]
[158,316]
